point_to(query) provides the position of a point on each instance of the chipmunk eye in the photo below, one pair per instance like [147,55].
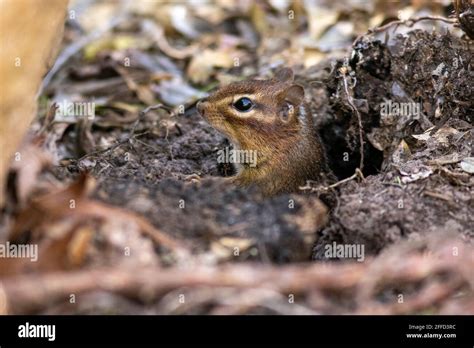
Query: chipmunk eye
[243,104]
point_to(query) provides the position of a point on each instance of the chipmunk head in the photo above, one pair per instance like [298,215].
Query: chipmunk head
[254,113]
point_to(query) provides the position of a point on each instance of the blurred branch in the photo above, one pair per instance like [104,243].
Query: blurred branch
[157,33]
[441,274]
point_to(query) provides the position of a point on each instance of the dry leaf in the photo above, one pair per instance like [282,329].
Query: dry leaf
[402,153]
[441,136]
[202,64]
[467,164]
[224,248]
[319,19]
[177,92]
[422,173]
[28,163]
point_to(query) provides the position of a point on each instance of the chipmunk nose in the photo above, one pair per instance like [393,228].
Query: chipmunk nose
[201,106]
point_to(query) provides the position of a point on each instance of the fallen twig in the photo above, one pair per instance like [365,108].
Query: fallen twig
[359,282]
[344,72]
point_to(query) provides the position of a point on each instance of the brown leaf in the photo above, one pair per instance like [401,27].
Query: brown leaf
[28,162]
[202,65]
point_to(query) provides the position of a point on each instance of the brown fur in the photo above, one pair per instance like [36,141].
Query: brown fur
[288,151]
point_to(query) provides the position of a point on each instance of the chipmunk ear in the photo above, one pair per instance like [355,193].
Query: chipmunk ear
[284,75]
[294,95]
[291,98]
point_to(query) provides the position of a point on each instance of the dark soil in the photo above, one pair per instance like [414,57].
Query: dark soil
[381,210]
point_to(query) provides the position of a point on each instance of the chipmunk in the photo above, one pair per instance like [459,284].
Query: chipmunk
[269,118]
